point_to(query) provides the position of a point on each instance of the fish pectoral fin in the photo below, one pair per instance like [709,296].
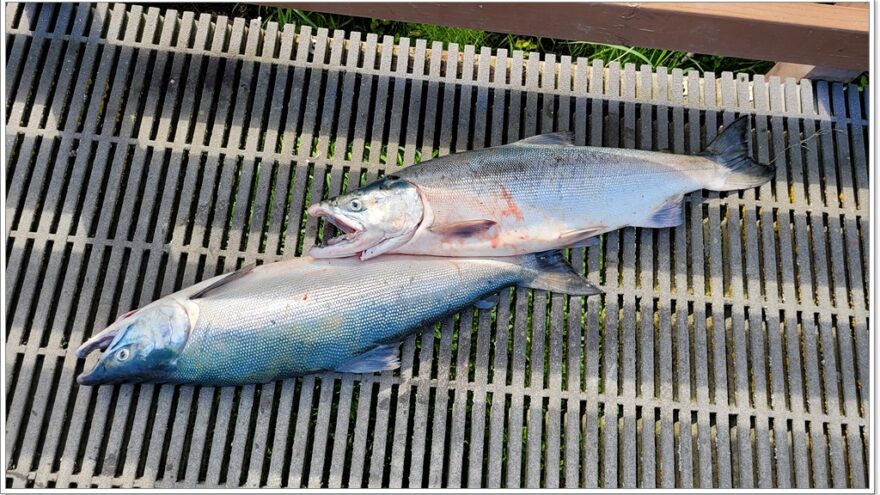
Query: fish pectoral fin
[462,229]
[487,302]
[581,237]
[382,358]
[670,214]
[554,138]
[232,277]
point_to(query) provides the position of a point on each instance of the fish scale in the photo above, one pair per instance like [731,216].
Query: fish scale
[322,320]
[588,185]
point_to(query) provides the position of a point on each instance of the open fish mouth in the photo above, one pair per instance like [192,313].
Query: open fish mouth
[102,340]
[349,229]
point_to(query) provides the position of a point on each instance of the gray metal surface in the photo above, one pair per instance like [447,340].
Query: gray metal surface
[149,150]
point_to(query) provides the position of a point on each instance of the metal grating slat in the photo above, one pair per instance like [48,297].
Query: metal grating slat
[156,148]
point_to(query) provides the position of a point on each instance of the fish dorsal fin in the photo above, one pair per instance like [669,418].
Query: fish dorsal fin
[462,229]
[554,138]
[232,277]
[381,358]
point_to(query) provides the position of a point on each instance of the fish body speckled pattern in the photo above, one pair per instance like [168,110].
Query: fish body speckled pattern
[537,194]
[304,315]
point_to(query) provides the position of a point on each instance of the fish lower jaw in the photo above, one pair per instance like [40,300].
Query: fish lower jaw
[341,238]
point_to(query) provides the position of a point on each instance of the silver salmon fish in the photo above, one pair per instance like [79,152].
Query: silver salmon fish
[305,315]
[534,195]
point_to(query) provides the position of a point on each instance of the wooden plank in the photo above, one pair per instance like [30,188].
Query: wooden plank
[817,34]
[807,71]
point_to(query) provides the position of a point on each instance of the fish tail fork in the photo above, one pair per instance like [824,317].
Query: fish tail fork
[730,152]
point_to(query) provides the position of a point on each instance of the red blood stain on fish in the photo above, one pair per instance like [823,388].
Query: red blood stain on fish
[511,209]
[126,314]
[494,241]
[305,297]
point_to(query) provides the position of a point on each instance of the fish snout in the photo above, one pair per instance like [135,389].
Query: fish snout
[92,377]
[316,210]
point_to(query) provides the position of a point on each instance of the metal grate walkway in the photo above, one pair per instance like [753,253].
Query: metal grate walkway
[147,151]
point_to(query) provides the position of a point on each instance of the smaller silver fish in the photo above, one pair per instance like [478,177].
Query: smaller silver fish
[534,195]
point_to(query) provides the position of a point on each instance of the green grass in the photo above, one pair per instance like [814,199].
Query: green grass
[462,36]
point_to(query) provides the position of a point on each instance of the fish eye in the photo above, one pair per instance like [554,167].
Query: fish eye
[123,354]
[355,205]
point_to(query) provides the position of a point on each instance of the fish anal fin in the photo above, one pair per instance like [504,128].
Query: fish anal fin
[581,237]
[462,229]
[487,302]
[552,138]
[382,358]
[669,214]
[588,242]
[232,277]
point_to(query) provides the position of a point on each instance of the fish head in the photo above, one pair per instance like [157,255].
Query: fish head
[373,220]
[141,346]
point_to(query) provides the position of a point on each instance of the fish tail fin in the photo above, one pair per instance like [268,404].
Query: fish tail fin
[549,271]
[730,151]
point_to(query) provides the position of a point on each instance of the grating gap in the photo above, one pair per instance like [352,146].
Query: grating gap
[29,96]
[410,426]
[43,191]
[108,420]
[214,90]
[53,390]
[47,109]
[13,375]
[56,296]
[40,280]
[16,291]
[28,177]
[12,157]
[186,447]
[135,119]
[29,401]
[135,391]
[371,439]
[123,171]
[249,440]
[227,448]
